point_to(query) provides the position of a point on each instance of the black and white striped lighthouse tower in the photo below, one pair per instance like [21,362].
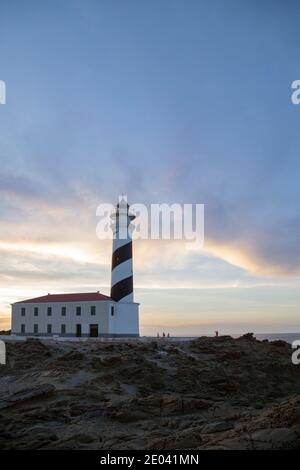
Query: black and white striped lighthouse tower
[121,268]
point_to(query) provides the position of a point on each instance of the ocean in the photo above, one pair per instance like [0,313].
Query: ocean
[288,337]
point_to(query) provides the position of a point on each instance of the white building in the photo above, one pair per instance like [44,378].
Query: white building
[87,314]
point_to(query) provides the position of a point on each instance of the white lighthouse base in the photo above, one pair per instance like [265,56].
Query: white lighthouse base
[125,319]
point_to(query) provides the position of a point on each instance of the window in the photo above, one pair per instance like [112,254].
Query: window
[63,311]
[23,311]
[63,329]
[93,310]
[49,311]
[35,328]
[36,311]
[112,310]
[78,311]
[49,328]
[23,328]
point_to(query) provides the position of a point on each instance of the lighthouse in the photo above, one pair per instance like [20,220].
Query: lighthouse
[88,314]
[121,266]
[122,271]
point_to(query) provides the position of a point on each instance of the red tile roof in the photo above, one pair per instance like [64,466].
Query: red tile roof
[77,297]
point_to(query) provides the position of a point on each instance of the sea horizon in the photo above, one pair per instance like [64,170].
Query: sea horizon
[288,337]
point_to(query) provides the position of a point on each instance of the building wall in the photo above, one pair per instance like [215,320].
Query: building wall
[56,319]
[126,319]
[122,320]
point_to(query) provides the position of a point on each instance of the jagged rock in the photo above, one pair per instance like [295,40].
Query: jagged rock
[209,393]
[217,426]
[111,361]
[280,344]
[280,438]
[25,395]
[248,336]
[188,439]
[71,356]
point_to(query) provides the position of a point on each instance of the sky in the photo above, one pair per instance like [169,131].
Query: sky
[167,102]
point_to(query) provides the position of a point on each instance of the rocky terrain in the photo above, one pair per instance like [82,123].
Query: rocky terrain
[210,393]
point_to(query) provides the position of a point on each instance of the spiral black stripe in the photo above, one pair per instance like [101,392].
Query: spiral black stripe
[121,254]
[122,288]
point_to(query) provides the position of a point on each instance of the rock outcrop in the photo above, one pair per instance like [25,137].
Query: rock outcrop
[210,393]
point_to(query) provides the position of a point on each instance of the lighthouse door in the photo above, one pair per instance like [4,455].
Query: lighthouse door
[94,331]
